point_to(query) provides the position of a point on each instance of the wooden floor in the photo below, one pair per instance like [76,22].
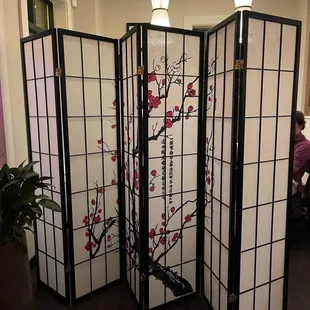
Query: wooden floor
[118,297]
[299,272]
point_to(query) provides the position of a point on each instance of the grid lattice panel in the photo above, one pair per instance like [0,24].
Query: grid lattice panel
[91,123]
[173,106]
[268,106]
[131,160]
[44,119]
[219,106]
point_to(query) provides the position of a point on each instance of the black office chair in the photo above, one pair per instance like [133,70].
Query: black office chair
[301,204]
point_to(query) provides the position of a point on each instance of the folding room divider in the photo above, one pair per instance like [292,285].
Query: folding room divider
[166,176]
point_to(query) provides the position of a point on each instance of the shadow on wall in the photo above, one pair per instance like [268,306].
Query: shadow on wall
[2,136]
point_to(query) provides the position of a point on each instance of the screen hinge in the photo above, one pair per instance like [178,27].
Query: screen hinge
[58,72]
[140,70]
[68,269]
[239,65]
[232,299]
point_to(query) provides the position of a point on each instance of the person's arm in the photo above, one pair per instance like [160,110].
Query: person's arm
[301,156]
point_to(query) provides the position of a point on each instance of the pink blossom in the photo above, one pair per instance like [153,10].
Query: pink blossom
[154,102]
[152,77]
[168,123]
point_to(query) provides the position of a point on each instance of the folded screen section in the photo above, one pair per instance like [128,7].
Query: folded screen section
[271,61]
[133,180]
[45,146]
[220,142]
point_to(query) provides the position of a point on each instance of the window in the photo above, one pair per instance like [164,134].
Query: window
[40,15]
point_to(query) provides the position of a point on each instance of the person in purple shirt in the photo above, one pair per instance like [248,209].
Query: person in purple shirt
[301,154]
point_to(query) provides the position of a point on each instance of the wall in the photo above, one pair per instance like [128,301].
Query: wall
[116,15]
[2,135]
[85,16]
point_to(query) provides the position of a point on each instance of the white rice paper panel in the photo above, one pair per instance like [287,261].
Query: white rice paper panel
[251,140]
[230,47]
[73,59]
[270,92]
[253,93]
[192,49]
[250,185]
[106,65]
[262,265]
[277,294]
[38,58]
[288,47]
[82,279]
[286,93]
[246,300]
[51,269]
[262,298]
[61,279]
[272,45]
[247,270]
[29,60]
[48,56]
[220,50]
[255,43]
[91,58]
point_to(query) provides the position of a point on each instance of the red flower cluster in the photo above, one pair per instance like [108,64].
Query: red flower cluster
[114,103]
[163,240]
[188,218]
[114,157]
[175,237]
[154,102]
[89,245]
[86,220]
[172,209]
[152,233]
[97,219]
[168,123]
[154,173]
[191,92]
[113,182]
[152,77]
[208,180]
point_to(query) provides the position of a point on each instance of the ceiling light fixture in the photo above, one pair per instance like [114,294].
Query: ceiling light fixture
[160,14]
[243,5]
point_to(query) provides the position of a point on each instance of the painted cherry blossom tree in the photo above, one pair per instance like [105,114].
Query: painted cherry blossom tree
[161,238]
[97,227]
